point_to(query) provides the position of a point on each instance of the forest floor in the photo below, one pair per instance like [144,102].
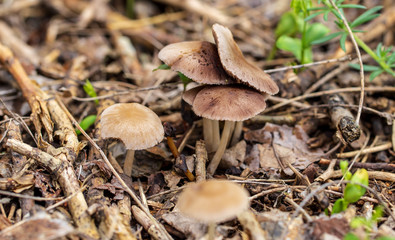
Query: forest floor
[57,184]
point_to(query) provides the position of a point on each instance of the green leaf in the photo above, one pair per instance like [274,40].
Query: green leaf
[343,41]
[290,44]
[351,236]
[314,32]
[352,6]
[377,213]
[86,123]
[339,206]
[353,192]
[366,68]
[287,24]
[185,80]
[366,16]
[386,238]
[326,38]
[90,90]
[162,67]
[359,222]
[313,15]
[374,74]
[343,166]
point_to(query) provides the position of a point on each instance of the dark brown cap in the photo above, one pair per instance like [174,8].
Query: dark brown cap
[237,66]
[198,60]
[136,125]
[228,102]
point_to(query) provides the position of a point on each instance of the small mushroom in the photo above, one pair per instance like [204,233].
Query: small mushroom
[198,60]
[226,102]
[237,66]
[213,201]
[137,126]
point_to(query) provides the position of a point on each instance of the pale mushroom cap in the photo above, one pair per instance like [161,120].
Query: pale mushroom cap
[237,66]
[229,102]
[213,201]
[136,125]
[189,96]
[198,60]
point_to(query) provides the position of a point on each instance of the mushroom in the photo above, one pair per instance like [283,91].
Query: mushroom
[225,102]
[237,66]
[137,126]
[213,201]
[199,61]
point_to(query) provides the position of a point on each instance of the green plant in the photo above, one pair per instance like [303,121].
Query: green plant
[291,25]
[185,80]
[383,56]
[90,90]
[86,123]
[367,224]
[352,192]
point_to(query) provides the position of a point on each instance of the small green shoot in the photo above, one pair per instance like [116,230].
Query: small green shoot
[367,224]
[86,123]
[162,67]
[292,24]
[90,90]
[383,56]
[185,80]
[352,192]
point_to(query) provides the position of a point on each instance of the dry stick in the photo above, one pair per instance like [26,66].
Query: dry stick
[332,74]
[33,95]
[124,185]
[67,179]
[378,175]
[342,59]
[200,161]
[361,99]
[18,195]
[296,206]
[372,166]
[382,147]
[319,94]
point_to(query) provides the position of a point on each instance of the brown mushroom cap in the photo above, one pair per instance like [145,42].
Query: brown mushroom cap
[189,96]
[213,201]
[198,60]
[136,125]
[228,102]
[237,66]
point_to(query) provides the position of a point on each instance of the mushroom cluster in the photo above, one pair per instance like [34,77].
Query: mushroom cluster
[232,90]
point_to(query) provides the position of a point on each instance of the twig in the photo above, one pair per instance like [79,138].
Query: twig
[328,92]
[373,166]
[382,147]
[355,158]
[296,206]
[342,59]
[18,195]
[359,58]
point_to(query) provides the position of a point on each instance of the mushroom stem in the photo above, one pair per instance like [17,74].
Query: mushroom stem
[215,134]
[221,148]
[237,133]
[211,230]
[208,134]
[128,165]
